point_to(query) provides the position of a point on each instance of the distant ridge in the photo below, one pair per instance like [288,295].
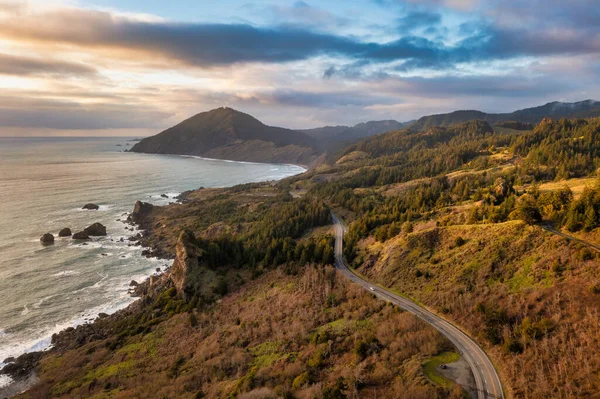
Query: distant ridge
[352,133]
[556,109]
[225,133]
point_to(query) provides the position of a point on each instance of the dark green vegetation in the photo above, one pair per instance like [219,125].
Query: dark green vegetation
[452,217]
[225,133]
[582,109]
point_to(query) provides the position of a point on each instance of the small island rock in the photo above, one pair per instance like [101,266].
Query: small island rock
[82,235]
[66,232]
[47,239]
[91,207]
[96,229]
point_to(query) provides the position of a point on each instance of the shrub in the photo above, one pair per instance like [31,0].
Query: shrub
[513,346]
[301,380]
[336,391]
[595,288]
[585,254]
[459,242]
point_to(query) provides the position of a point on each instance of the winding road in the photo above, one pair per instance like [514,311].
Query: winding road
[487,382]
[552,230]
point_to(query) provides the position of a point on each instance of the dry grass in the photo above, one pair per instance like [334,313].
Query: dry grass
[510,268]
[278,334]
[576,185]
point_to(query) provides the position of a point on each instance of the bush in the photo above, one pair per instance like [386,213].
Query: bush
[336,391]
[595,288]
[585,254]
[301,380]
[513,346]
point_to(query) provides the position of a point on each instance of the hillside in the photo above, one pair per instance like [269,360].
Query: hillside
[455,217]
[225,133]
[249,309]
[353,133]
[582,109]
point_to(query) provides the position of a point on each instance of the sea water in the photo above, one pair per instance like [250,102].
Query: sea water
[44,182]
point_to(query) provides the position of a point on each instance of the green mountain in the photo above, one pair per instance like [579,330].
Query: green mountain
[225,133]
[556,109]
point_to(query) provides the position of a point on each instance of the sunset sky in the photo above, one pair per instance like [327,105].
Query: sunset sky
[105,67]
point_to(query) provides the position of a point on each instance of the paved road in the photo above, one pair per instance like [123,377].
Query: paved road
[568,237]
[486,379]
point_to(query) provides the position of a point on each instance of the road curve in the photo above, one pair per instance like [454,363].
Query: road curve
[552,230]
[487,382]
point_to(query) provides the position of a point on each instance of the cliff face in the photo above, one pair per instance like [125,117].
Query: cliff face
[185,266]
[225,133]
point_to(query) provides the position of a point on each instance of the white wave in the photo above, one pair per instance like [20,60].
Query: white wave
[39,303]
[25,311]
[4,380]
[66,273]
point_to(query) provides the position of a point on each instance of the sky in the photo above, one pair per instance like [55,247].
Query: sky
[108,67]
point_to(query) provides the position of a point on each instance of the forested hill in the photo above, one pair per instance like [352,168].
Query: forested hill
[347,134]
[457,218]
[225,133]
[581,109]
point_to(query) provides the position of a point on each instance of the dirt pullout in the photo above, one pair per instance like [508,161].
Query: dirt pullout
[460,372]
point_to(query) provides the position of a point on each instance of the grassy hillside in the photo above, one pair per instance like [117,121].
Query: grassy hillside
[307,335]
[452,217]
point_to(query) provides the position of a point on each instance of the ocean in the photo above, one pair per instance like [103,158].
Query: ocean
[44,182]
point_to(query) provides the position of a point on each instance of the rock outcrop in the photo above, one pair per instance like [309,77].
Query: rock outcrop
[91,207]
[66,232]
[140,211]
[47,239]
[81,235]
[96,229]
[185,270]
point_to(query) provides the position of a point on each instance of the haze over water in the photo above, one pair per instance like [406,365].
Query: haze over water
[44,182]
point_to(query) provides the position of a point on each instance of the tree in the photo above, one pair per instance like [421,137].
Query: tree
[527,210]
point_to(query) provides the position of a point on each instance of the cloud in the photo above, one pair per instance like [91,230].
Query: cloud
[512,86]
[209,45]
[418,19]
[303,14]
[16,65]
[67,115]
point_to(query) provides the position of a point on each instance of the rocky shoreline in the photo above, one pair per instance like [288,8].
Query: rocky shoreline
[21,370]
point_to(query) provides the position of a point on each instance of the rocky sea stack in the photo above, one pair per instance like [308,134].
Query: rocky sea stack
[81,235]
[66,232]
[96,229]
[91,207]
[47,239]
